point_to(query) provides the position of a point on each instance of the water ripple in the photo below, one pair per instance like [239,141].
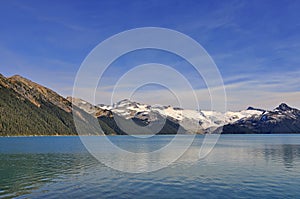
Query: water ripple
[239,167]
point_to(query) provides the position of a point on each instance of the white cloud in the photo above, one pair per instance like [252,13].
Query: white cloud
[262,91]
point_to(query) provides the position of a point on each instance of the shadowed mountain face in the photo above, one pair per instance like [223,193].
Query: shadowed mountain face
[24,110]
[27,108]
[141,127]
[128,121]
[282,119]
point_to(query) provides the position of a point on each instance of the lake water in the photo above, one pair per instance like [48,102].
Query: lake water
[240,166]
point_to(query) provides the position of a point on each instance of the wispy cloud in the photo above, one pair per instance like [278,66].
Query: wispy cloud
[264,91]
[256,49]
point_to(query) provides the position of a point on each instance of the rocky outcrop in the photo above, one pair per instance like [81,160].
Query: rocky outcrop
[27,108]
[282,119]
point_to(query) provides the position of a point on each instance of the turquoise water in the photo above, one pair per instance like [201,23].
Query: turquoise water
[240,166]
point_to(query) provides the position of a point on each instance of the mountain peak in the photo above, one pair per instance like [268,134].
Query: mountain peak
[284,107]
[18,77]
[35,92]
[255,109]
[125,103]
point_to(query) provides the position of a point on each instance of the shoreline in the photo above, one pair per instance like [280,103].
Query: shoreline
[31,136]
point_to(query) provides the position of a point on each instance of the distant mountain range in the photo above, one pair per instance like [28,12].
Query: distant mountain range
[27,108]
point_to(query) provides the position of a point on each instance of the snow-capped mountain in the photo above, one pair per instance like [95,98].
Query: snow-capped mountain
[26,102]
[208,121]
[282,119]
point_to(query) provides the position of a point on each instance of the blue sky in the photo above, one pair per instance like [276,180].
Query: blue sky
[255,44]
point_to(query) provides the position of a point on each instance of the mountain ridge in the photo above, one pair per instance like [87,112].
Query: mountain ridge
[211,121]
[28,108]
[22,113]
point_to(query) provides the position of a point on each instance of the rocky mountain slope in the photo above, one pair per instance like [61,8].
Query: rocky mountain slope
[27,108]
[282,119]
[125,123]
[207,121]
